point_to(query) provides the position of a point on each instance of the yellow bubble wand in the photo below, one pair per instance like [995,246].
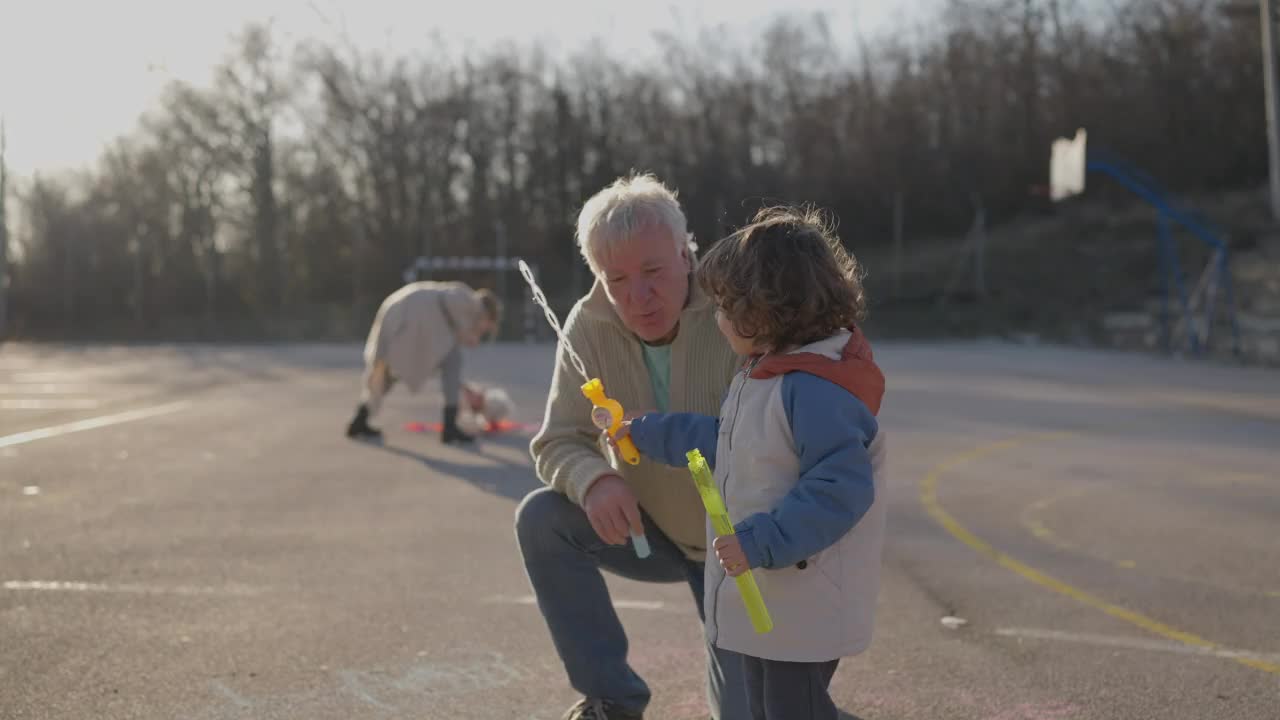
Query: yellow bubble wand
[719,514]
[606,413]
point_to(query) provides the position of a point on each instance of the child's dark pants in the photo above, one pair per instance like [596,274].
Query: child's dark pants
[778,690]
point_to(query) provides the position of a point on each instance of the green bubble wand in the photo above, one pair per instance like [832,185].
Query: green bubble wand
[719,515]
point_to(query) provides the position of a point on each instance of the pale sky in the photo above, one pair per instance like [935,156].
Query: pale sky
[75,74]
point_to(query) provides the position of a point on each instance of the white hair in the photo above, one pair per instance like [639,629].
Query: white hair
[629,205]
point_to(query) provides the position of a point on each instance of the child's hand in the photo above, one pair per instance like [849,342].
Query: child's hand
[729,552]
[623,431]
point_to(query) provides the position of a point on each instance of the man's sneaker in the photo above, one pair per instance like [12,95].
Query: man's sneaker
[596,709]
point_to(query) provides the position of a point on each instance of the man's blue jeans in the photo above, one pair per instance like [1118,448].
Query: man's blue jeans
[564,557]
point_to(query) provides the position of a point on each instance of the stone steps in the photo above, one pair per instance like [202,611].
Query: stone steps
[1141,330]
[1256,279]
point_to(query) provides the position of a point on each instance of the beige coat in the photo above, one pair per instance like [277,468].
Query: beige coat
[567,451]
[412,333]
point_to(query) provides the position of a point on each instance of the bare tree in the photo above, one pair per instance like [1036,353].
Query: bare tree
[4,238]
[306,188]
[192,136]
[253,92]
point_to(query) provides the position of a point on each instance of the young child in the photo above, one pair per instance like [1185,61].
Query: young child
[798,456]
[483,408]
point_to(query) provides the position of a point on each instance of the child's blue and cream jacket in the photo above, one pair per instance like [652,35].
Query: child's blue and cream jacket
[799,459]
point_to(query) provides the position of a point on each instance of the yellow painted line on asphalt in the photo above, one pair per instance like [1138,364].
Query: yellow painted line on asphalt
[1031,522]
[1029,519]
[929,498]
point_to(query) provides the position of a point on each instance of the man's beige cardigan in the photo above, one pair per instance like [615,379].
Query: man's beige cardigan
[567,452]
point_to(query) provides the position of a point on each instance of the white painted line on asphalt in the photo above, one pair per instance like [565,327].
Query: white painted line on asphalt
[126,588]
[1134,643]
[621,604]
[48,404]
[41,388]
[45,376]
[90,424]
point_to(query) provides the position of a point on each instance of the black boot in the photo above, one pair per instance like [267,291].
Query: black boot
[360,427]
[451,434]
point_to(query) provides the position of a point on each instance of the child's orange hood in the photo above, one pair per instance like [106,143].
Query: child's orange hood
[855,370]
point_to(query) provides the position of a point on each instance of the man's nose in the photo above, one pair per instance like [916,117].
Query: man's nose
[641,290]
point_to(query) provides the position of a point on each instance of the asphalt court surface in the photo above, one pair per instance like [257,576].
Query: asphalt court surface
[185,533]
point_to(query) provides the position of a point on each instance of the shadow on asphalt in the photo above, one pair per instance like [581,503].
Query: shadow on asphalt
[499,477]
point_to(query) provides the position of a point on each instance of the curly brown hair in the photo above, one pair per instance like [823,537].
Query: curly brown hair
[785,280]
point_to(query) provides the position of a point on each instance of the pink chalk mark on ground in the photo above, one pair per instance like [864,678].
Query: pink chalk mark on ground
[677,673]
[890,704]
[1039,711]
[689,708]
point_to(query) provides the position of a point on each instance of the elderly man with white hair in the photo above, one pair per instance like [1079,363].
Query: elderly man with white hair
[647,331]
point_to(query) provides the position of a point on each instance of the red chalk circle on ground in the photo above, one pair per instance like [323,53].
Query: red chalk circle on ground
[499,428]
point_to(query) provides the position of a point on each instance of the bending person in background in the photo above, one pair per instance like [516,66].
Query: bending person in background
[420,330]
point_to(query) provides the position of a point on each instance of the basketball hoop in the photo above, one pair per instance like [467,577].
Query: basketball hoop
[1067,166]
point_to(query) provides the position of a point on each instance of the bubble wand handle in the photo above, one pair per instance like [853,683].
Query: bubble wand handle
[608,415]
[719,514]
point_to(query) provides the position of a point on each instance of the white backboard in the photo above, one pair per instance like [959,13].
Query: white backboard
[1066,166]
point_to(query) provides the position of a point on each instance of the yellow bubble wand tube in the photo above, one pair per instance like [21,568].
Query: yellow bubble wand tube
[719,515]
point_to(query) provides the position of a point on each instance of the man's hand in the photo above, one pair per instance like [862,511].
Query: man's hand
[732,558]
[613,510]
